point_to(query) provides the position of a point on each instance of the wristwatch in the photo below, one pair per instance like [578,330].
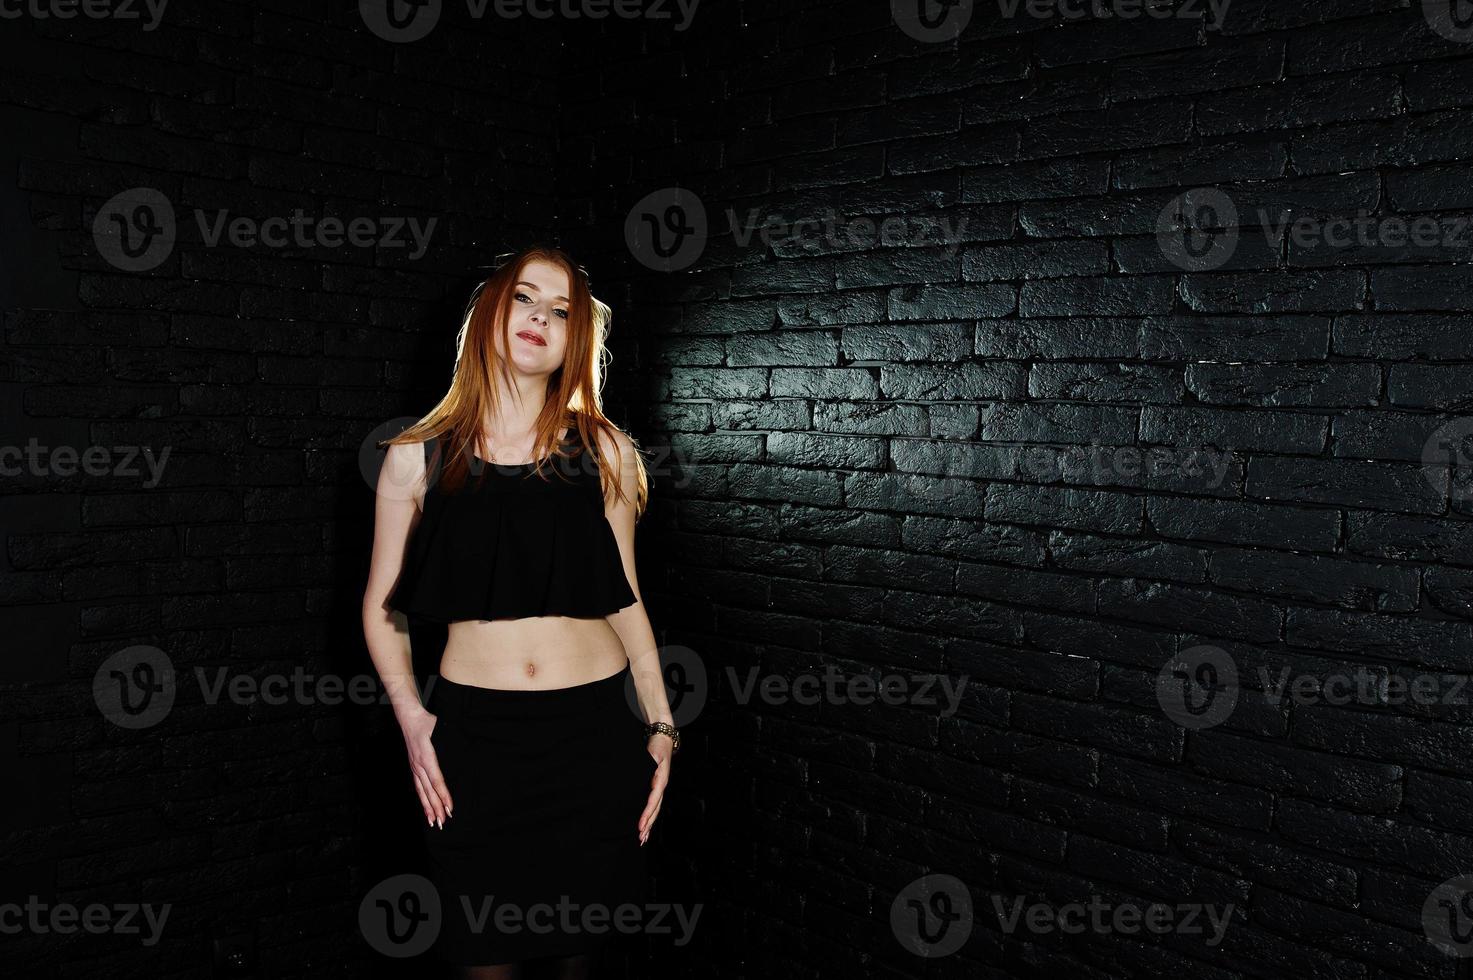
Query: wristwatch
[661,728]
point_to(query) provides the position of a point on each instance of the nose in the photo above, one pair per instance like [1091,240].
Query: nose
[539,317]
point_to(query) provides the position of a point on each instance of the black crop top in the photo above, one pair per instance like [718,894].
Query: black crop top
[514,545]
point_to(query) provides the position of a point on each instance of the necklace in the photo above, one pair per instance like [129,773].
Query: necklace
[496,455]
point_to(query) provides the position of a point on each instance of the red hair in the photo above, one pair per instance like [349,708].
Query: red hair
[573,391]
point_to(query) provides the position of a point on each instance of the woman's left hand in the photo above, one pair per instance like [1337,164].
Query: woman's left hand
[659,748]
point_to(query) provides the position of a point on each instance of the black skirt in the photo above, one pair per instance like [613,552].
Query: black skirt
[543,848]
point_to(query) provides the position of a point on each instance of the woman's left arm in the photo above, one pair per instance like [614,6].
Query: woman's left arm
[632,623]
[633,626]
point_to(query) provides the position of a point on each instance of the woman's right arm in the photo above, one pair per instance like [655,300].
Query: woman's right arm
[386,631]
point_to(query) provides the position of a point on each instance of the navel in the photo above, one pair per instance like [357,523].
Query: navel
[531,669]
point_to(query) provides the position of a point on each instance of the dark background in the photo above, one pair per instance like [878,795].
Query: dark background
[856,430]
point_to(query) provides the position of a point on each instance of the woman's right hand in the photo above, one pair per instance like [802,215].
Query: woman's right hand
[434,797]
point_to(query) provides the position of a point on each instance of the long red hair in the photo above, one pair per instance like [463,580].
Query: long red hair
[574,398]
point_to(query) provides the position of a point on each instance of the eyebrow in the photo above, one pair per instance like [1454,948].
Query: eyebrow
[523,283]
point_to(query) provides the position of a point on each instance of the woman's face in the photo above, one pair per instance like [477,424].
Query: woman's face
[537,323]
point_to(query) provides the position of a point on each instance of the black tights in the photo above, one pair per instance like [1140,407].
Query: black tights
[563,968]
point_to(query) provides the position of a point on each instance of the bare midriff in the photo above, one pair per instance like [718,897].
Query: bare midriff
[533,653]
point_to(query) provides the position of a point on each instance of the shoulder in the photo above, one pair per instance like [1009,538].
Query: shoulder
[403,474]
[405,454]
[409,455]
[612,437]
[620,456]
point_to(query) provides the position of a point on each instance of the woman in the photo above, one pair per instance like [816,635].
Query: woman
[508,512]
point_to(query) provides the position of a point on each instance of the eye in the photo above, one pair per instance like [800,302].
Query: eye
[561,313]
[523,296]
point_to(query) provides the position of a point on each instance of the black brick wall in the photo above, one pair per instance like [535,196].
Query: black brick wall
[884,477]
[895,457]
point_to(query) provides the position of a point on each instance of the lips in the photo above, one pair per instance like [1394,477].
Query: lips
[532,338]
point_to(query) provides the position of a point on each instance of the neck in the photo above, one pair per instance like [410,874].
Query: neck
[521,403]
